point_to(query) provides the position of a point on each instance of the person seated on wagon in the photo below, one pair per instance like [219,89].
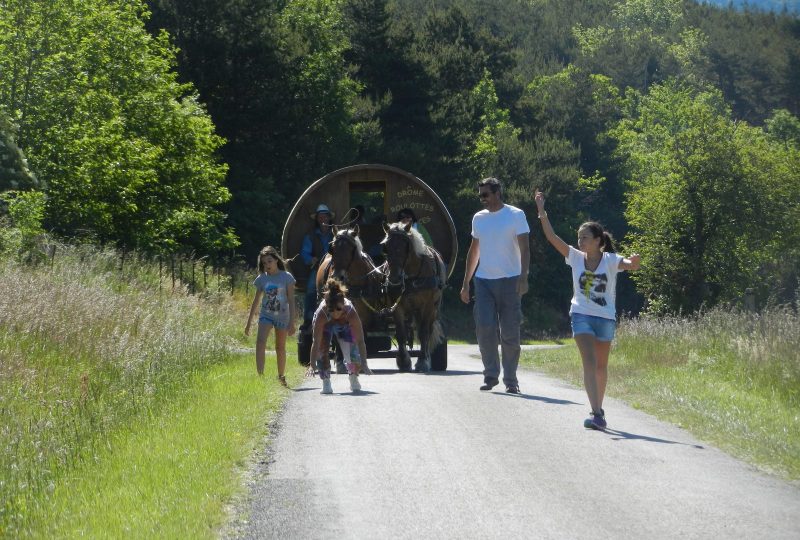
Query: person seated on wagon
[406,216]
[315,245]
[336,317]
[375,251]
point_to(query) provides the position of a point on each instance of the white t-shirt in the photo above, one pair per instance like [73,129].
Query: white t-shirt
[594,293]
[499,248]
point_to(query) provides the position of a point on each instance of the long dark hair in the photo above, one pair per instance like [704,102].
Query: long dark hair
[598,231]
[334,293]
[272,252]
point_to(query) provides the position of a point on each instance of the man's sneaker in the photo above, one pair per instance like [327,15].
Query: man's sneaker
[513,389]
[355,386]
[327,388]
[489,385]
[597,420]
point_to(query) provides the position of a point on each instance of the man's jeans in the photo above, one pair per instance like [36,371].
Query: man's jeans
[498,316]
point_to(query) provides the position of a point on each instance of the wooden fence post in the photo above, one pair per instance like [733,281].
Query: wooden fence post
[749,300]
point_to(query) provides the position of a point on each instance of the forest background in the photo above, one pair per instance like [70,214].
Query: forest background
[192,127]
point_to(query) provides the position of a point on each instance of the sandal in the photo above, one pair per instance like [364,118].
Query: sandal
[282,379]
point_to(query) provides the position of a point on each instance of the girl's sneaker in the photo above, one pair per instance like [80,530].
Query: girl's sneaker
[355,386]
[327,388]
[597,420]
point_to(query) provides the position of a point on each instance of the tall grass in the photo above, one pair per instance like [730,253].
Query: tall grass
[760,351]
[730,377]
[83,350]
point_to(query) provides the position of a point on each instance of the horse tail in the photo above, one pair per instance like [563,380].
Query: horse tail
[437,336]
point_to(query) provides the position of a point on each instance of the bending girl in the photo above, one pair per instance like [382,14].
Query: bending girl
[336,317]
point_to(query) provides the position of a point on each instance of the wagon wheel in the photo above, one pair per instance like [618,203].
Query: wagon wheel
[439,357]
[304,348]
[439,354]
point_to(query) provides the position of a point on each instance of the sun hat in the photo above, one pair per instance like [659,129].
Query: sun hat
[324,209]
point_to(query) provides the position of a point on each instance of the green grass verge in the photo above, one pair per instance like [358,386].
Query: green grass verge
[171,475]
[745,405]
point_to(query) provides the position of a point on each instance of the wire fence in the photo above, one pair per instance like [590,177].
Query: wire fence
[197,275]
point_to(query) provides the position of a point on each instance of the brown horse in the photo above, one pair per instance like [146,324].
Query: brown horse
[416,277]
[348,262]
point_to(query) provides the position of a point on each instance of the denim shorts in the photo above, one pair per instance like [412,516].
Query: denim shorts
[276,323]
[601,328]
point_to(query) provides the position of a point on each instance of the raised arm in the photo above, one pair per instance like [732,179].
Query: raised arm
[631,263]
[549,233]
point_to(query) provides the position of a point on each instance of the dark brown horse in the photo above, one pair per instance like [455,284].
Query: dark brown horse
[416,276]
[348,262]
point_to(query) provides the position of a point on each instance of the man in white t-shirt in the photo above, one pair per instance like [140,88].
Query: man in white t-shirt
[500,245]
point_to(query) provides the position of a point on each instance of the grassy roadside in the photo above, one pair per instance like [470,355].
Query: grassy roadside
[110,379]
[731,379]
[170,475]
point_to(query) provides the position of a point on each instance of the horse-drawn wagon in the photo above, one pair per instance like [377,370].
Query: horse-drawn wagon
[399,296]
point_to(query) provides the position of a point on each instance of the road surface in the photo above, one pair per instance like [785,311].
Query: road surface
[431,456]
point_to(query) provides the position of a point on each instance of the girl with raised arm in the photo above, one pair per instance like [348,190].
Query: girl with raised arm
[594,279]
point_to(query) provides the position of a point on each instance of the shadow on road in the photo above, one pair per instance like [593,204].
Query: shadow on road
[624,435]
[449,373]
[360,393]
[453,372]
[543,399]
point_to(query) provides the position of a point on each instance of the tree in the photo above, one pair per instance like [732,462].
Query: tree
[127,152]
[14,171]
[707,199]
[277,86]
[646,41]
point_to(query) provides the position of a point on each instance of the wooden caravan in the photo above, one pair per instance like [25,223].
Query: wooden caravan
[382,191]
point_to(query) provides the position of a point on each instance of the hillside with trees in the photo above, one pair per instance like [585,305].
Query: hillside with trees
[174,126]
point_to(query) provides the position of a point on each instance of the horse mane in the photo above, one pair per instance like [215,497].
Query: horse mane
[418,243]
[356,240]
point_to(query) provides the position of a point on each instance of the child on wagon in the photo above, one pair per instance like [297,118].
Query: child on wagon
[275,293]
[594,278]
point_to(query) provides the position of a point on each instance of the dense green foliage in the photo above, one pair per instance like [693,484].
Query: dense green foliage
[127,152]
[564,95]
[706,198]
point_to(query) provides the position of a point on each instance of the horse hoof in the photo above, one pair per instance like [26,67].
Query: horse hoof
[422,367]
[404,364]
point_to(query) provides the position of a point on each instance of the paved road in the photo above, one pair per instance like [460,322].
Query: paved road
[430,456]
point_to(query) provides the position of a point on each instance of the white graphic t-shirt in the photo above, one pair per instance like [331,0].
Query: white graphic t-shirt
[275,298]
[594,293]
